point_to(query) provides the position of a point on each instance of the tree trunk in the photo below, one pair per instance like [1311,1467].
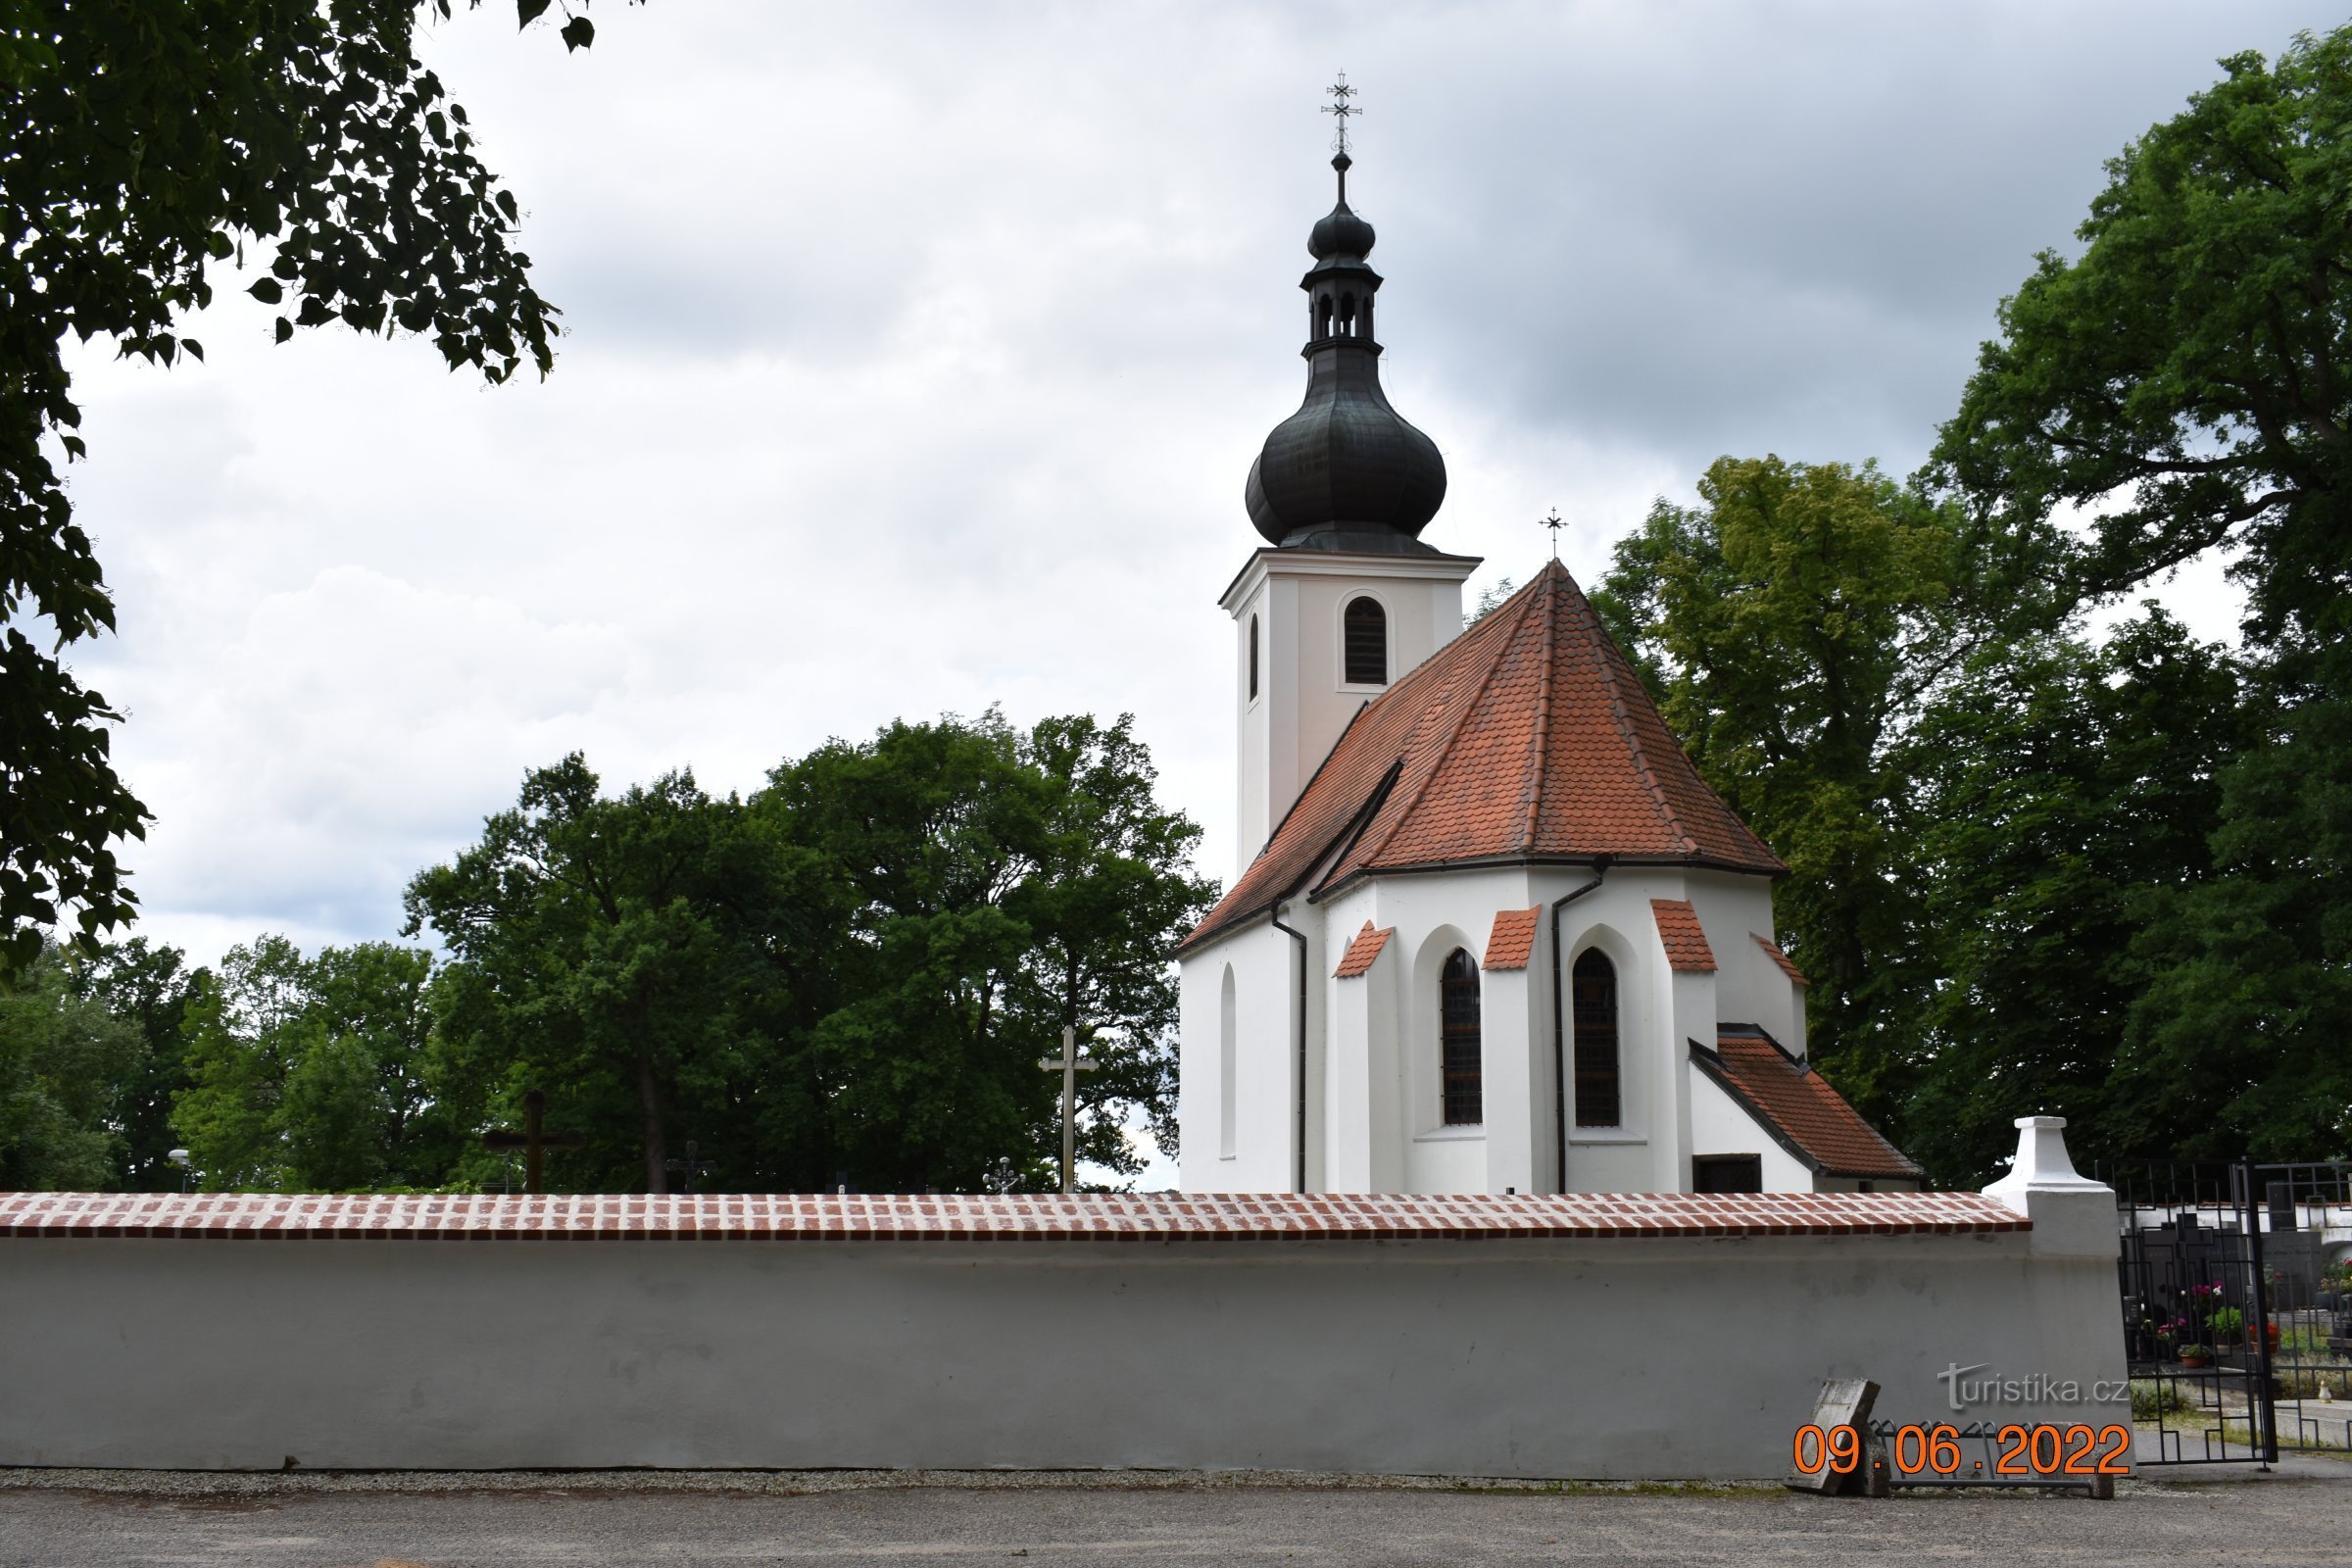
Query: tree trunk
[657,1155]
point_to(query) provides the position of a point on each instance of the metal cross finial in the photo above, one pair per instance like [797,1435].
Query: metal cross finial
[1555,523]
[1339,108]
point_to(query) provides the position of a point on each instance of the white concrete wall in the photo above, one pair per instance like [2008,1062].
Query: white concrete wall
[1648,1357]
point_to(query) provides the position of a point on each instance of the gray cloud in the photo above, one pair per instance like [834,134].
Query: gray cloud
[917,354]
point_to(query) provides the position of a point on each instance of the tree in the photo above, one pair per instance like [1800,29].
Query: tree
[1003,883]
[852,974]
[1111,897]
[64,1060]
[147,144]
[315,1074]
[2184,377]
[149,988]
[2242,1042]
[1792,626]
[2183,381]
[599,960]
[2062,792]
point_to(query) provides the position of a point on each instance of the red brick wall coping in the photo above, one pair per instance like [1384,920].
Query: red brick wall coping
[1160,1217]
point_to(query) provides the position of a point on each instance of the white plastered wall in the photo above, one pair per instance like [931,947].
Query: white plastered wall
[1749,987]
[1304,703]
[1375,1117]
[1265,1004]
[1433,1356]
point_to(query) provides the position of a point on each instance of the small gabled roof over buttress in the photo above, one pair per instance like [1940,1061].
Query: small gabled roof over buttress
[1528,739]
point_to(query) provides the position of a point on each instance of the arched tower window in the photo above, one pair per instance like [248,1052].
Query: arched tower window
[1253,658]
[1458,1013]
[1599,1099]
[1365,626]
[1228,1093]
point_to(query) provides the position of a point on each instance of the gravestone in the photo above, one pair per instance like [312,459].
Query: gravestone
[1844,1403]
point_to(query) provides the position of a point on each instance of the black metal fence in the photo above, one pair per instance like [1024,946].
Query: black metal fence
[2236,1308]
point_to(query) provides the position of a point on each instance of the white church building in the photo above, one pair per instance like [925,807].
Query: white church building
[1493,932]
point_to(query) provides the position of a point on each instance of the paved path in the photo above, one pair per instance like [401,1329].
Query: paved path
[2300,1517]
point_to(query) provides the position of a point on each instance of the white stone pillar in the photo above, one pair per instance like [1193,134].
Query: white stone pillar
[2071,1214]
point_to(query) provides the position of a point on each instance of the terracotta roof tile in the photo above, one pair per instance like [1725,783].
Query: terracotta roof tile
[1685,943]
[1013,1217]
[1513,938]
[1526,738]
[1362,953]
[1781,959]
[1789,1097]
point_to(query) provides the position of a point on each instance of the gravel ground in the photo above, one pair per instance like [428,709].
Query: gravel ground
[55,1517]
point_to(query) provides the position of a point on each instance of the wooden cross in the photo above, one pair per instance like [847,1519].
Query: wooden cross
[1069,1067]
[690,1166]
[533,1139]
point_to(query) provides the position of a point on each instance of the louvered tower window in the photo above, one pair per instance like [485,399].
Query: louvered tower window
[1253,658]
[1458,1004]
[1593,986]
[1366,628]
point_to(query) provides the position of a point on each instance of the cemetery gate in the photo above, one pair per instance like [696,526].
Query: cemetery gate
[2236,1295]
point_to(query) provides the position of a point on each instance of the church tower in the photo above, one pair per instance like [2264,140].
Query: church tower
[1491,931]
[1344,598]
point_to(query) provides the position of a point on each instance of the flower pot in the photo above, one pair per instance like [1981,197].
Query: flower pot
[2195,1361]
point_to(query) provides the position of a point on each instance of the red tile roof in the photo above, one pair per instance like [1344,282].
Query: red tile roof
[1685,943]
[1513,938]
[1526,738]
[1787,1097]
[1362,953]
[1087,1216]
[1782,959]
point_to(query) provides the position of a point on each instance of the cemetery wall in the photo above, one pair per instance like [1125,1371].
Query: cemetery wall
[1575,1336]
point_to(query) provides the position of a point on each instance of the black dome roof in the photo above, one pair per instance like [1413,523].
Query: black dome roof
[1341,233]
[1345,472]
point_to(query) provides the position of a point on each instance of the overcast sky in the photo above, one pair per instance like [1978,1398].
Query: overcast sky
[916,355]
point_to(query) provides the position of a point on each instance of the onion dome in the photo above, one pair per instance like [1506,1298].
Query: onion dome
[1345,472]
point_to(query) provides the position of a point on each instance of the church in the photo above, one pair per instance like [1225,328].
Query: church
[1493,933]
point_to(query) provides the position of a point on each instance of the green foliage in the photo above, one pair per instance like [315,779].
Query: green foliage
[64,1060]
[602,955]
[2243,1040]
[145,145]
[1002,883]
[2180,382]
[853,973]
[2180,376]
[149,988]
[2153,1399]
[1791,624]
[317,1074]
[2060,792]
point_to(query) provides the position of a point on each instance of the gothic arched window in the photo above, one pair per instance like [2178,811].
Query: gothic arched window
[1599,1099]
[1253,658]
[1457,1031]
[1365,628]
